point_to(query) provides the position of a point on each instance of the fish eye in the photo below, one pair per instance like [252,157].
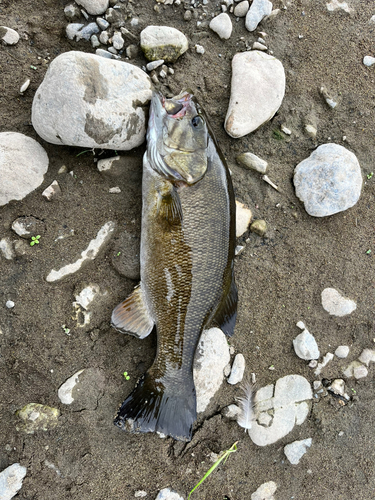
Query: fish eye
[197,121]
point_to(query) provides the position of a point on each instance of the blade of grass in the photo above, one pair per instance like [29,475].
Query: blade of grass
[224,457]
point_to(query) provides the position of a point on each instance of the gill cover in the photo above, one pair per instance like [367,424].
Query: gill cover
[177,138]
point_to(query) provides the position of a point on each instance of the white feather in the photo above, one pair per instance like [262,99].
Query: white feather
[246,416]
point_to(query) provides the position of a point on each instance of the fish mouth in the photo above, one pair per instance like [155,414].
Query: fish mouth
[177,106]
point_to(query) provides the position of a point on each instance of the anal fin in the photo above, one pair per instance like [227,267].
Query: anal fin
[131,315]
[225,316]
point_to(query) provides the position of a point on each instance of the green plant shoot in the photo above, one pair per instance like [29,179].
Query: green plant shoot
[126,376]
[224,456]
[34,240]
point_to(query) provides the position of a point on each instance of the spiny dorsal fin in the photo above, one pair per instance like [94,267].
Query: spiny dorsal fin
[225,316]
[131,316]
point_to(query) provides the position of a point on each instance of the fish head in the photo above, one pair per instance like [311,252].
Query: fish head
[177,138]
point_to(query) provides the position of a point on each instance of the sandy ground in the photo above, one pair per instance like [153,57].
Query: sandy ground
[280,278]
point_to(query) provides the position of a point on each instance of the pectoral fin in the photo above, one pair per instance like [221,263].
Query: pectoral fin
[169,206]
[225,316]
[131,315]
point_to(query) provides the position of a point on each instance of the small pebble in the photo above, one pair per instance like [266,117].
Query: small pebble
[25,86]
[259,227]
[342,351]
[103,53]
[188,15]
[238,369]
[360,372]
[368,61]
[231,412]
[326,359]
[367,356]
[8,35]
[222,25]
[286,130]
[102,23]
[94,41]
[9,304]
[259,46]
[115,190]
[253,162]
[162,74]
[117,40]
[241,9]
[140,494]
[305,346]
[336,304]
[243,218]
[295,451]
[313,363]
[199,49]
[301,325]
[51,191]
[104,37]
[154,64]
[311,131]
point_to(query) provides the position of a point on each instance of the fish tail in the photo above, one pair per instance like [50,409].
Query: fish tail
[153,406]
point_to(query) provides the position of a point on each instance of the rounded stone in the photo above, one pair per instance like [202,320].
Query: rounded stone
[305,346]
[257,91]
[335,304]
[222,25]
[329,181]
[23,163]
[9,36]
[94,7]
[163,42]
[259,9]
[90,101]
[241,9]
[259,227]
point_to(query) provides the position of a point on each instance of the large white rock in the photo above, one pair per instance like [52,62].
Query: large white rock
[337,305]
[94,7]
[258,10]
[211,357]
[329,181]
[11,481]
[90,101]
[257,91]
[163,42]
[23,163]
[222,25]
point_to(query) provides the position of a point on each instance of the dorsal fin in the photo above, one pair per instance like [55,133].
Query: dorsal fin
[131,315]
[225,316]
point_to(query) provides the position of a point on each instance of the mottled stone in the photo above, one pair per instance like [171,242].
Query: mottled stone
[163,42]
[38,417]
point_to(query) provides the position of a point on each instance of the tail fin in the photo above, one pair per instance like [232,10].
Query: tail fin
[154,406]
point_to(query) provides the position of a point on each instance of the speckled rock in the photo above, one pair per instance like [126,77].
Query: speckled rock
[163,42]
[329,181]
[90,101]
[38,417]
[23,163]
[257,91]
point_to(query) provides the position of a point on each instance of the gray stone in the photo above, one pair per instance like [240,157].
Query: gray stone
[211,357]
[95,246]
[102,23]
[72,30]
[241,9]
[329,181]
[104,37]
[253,162]
[87,31]
[238,370]
[94,7]
[260,46]
[72,11]
[289,406]
[103,53]
[336,304]
[23,163]
[295,451]
[9,36]
[168,494]
[305,346]
[6,248]
[52,191]
[265,491]
[257,91]
[26,227]
[117,40]
[154,64]
[243,218]
[163,42]
[11,480]
[360,372]
[89,101]
[326,359]
[222,25]
[259,9]
[36,417]
[342,351]
[367,356]
[231,412]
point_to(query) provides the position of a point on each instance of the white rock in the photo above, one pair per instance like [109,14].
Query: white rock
[104,37]
[360,372]
[163,42]
[117,40]
[368,61]
[367,356]
[89,101]
[329,181]
[140,494]
[338,387]
[103,53]
[211,357]
[311,130]
[154,64]
[342,351]
[326,359]
[199,49]
[265,491]
[87,295]
[23,163]
[231,412]
[222,25]
[25,86]
[65,391]
[349,371]
[257,91]
[11,480]
[259,9]
[107,164]
[335,304]
[94,7]
[115,190]
[243,218]
[95,246]
[253,162]
[9,36]
[168,494]
[241,9]
[6,248]
[238,369]
[289,406]
[259,46]
[336,4]
[305,346]
[372,19]
[52,191]
[102,23]
[295,451]
[286,130]
[301,325]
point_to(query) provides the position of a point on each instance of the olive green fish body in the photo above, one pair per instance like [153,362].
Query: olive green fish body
[187,252]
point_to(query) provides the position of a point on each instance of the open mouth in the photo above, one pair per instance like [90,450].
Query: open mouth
[176,108]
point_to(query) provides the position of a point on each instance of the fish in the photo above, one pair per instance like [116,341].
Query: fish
[187,263]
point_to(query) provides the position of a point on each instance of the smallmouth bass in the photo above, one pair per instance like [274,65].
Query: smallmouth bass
[187,264]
